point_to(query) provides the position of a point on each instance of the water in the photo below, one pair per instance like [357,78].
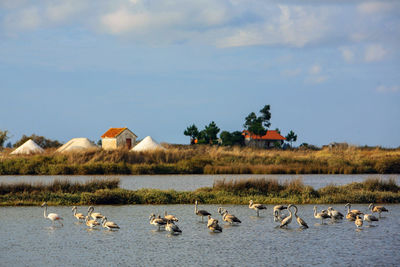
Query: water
[27,239]
[193,182]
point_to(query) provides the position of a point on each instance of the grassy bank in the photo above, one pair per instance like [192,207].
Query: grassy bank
[205,159]
[268,191]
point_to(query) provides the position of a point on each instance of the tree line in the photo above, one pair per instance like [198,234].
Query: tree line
[255,125]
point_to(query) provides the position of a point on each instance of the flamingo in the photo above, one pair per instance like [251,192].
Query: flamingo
[256,207]
[378,209]
[157,221]
[94,215]
[299,220]
[227,217]
[358,222]
[91,223]
[213,225]
[51,216]
[356,212]
[170,217]
[279,217]
[201,213]
[321,216]
[336,215]
[370,218]
[172,228]
[287,220]
[78,216]
[109,225]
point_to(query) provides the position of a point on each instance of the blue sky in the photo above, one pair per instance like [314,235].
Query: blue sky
[74,68]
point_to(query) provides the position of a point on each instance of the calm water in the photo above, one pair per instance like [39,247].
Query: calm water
[192,182]
[27,239]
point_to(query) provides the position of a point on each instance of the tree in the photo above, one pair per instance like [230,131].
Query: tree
[40,140]
[3,137]
[258,125]
[193,132]
[231,139]
[291,137]
[210,132]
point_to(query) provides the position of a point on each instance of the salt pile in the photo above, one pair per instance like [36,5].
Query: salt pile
[29,147]
[147,144]
[77,145]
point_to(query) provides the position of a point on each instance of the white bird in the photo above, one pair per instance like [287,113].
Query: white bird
[94,215]
[370,218]
[335,215]
[356,212]
[170,217]
[109,225]
[256,207]
[299,220]
[358,222]
[159,222]
[91,223]
[213,225]
[173,228]
[227,217]
[287,220]
[51,216]
[201,213]
[279,217]
[78,216]
[321,216]
[378,209]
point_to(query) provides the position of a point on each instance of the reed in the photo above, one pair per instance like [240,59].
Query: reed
[268,191]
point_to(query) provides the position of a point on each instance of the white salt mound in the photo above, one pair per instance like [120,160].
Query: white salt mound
[29,147]
[77,145]
[147,144]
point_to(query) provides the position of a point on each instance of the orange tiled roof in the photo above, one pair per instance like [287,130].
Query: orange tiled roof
[270,135]
[113,132]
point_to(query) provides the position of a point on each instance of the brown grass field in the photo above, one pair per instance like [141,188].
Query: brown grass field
[205,159]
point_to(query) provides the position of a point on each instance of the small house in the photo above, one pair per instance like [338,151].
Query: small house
[266,141]
[116,138]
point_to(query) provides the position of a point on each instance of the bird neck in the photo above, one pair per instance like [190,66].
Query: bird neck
[74,212]
[315,212]
[195,207]
[295,211]
[290,212]
[45,212]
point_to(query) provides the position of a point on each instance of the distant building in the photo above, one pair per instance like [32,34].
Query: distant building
[116,138]
[266,141]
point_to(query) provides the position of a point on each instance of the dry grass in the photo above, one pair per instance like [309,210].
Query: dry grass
[208,160]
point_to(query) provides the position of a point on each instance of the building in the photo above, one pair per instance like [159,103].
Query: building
[266,141]
[116,138]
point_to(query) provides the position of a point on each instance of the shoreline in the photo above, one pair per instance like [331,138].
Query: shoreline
[266,191]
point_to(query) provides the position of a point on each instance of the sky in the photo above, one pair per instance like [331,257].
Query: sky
[330,70]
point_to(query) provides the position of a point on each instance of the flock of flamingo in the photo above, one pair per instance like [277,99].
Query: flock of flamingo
[168,222]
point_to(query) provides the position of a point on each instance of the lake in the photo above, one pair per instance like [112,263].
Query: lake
[192,182]
[27,239]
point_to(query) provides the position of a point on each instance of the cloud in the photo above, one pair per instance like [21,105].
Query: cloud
[296,26]
[387,89]
[291,73]
[315,69]
[26,19]
[347,54]
[374,7]
[64,10]
[316,79]
[374,53]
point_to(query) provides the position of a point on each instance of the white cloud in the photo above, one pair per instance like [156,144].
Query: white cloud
[26,19]
[374,53]
[347,54]
[387,89]
[64,10]
[295,26]
[315,69]
[291,73]
[374,7]
[316,79]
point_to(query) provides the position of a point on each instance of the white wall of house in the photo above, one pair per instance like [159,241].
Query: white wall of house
[118,142]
